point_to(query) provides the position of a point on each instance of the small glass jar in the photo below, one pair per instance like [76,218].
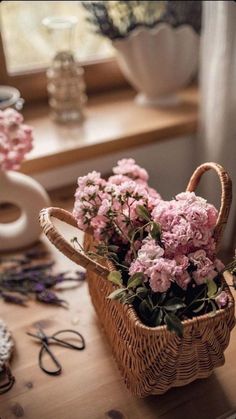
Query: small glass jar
[65,83]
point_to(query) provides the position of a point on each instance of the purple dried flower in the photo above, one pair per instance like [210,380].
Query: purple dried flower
[29,274]
[13,298]
[60,278]
[49,297]
[39,287]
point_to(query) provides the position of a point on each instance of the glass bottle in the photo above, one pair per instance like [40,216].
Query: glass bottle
[65,83]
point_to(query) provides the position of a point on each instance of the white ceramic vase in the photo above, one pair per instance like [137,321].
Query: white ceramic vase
[27,194]
[159,61]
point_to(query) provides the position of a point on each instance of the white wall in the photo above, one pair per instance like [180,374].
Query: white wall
[169,163]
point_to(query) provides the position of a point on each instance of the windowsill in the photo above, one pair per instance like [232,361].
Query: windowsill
[113,123]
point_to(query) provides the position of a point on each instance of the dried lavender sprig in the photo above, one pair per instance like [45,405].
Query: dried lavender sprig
[26,278]
[13,298]
[49,297]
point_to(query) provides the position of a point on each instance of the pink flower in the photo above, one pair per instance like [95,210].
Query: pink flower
[148,254]
[118,179]
[129,168]
[205,268]
[15,139]
[92,178]
[187,224]
[222,299]
[150,251]
[182,263]
[183,280]
[88,197]
[161,275]
[137,266]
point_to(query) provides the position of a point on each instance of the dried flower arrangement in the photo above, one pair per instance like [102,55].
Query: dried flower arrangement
[15,139]
[31,273]
[116,19]
[164,251]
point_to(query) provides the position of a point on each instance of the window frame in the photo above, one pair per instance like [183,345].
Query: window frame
[99,76]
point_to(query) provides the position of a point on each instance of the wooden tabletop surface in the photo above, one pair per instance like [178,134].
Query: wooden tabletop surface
[90,386]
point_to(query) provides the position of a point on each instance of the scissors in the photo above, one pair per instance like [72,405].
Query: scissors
[55,338]
[9,380]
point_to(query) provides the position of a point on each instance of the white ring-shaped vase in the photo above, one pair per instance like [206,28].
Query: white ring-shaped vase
[27,194]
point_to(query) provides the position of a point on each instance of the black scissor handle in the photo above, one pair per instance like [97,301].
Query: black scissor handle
[10,380]
[44,349]
[67,344]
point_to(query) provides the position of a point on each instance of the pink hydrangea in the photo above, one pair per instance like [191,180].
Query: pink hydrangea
[148,253]
[187,223]
[151,263]
[15,139]
[205,268]
[161,274]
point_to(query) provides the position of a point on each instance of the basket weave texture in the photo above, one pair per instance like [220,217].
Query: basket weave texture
[152,359]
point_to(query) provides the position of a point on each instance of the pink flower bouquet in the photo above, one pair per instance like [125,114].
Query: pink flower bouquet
[164,251]
[15,139]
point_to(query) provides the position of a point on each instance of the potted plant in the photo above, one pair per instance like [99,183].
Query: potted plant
[157,43]
[153,274]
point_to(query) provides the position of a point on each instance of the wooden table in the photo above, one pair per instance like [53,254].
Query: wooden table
[90,386]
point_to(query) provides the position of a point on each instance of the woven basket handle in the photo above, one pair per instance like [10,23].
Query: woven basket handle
[226,195]
[63,245]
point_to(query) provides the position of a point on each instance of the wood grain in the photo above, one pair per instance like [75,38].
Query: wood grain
[113,123]
[90,386]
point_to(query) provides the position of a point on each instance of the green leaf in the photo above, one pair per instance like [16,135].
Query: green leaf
[115,277]
[214,308]
[145,310]
[141,291]
[143,212]
[130,297]
[117,294]
[199,308]
[174,324]
[135,280]
[155,231]
[158,317]
[174,304]
[211,288]
[161,297]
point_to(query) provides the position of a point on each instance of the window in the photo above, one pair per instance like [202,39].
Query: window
[26,48]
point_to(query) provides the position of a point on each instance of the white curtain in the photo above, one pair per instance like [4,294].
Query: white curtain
[217,134]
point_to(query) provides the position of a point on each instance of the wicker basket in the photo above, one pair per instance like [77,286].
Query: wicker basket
[152,359]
